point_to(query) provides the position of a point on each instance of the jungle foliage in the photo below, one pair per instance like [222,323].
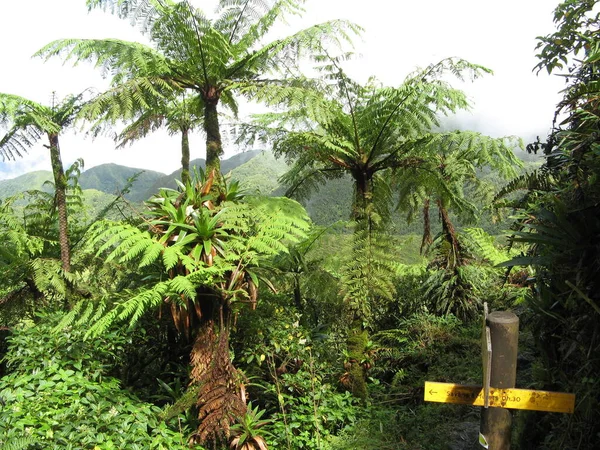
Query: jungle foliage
[222,317]
[558,220]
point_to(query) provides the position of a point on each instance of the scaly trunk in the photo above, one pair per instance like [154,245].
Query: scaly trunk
[362,211]
[427,239]
[214,146]
[220,400]
[60,186]
[455,251]
[363,196]
[185,155]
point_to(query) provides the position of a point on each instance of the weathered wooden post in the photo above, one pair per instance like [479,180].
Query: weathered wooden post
[498,394]
[504,334]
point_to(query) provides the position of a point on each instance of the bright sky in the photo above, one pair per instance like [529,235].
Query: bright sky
[399,36]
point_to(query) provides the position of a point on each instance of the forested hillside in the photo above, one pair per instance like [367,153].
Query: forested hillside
[296,297]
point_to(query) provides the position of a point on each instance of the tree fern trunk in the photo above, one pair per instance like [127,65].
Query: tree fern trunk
[214,146]
[363,197]
[185,155]
[427,239]
[356,345]
[60,186]
[219,397]
[455,252]
[357,335]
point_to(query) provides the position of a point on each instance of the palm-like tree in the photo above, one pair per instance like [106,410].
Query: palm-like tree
[372,133]
[454,171]
[368,132]
[27,123]
[179,116]
[212,58]
[452,185]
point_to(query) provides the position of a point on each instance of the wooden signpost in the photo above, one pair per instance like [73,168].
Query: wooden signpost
[498,393]
[486,355]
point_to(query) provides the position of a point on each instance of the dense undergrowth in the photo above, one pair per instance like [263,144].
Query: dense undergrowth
[217,320]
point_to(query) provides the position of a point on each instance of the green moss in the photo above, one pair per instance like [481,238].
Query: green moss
[357,343]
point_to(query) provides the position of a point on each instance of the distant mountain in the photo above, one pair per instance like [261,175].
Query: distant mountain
[259,175]
[332,202]
[29,181]
[111,178]
[227,165]
[257,171]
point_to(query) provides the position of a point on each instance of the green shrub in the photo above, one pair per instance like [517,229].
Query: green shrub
[297,384]
[56,395]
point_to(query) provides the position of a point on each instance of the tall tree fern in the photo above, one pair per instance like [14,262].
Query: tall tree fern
[31,273]
[27,122]
[367,132]
[203,254]
[374,134]
[213,59]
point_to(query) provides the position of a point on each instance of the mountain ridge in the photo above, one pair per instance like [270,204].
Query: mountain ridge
[111,178]
[257,171]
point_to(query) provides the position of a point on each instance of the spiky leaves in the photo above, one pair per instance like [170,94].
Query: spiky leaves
[203,254]
[214,59]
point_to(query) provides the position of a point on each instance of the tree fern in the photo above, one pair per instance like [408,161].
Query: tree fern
[201,254]
[213,59]
[27,122]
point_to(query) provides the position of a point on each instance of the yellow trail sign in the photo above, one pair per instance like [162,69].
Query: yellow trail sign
[500,398]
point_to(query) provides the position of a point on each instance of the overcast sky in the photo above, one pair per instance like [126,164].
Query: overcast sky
[399,36]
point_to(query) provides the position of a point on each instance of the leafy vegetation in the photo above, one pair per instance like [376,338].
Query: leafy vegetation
[28,122]
[559,223]
[210,59]
[190,316]
[57,395]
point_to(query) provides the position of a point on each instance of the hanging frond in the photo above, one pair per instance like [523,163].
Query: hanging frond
[49,278]
[537,180]
[369,274]
[487,247]
[122,59]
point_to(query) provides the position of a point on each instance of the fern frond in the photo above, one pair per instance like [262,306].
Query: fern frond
[537,180]
[486,247]
[49,277]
